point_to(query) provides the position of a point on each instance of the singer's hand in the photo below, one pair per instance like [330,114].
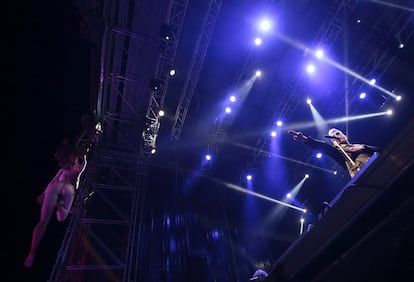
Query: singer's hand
[297,136]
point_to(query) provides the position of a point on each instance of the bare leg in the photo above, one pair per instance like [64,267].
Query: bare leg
[38,233]
[48,206]
[63,207]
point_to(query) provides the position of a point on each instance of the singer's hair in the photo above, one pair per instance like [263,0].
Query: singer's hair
[333,129]
[66,153]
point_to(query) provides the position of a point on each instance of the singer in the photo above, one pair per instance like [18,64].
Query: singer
[351,157]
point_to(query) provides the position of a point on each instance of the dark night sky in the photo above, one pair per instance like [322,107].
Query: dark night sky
[49,78]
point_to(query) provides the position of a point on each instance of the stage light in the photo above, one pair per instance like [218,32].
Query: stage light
[306,175]
[249,177]
[288,195]
[172,72]
[153,151]
[166,31]
[398,98]
[302,220]
[161,113]
[149,135]
[273,133]
[372,81]
[319,155]
[389,112]
[265,25]
[319,53]
[215,234]
[232,98]
[258,73]
[279,123]
[228,110]
[156,84]
[310,68]
[98,128]
[308,101]
[362,95]
[401,45]
[258,41]
[208,157]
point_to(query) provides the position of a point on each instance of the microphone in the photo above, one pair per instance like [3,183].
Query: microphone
[331,137]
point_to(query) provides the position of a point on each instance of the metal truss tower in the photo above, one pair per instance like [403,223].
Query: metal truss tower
[196,65]
[103,240]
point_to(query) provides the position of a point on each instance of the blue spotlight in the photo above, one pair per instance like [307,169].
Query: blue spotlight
[308,101]
[279,123]
[362,95]
[288,195]
[319,53]
[273,133]
[232,98]
[319,155]
[265,25]
[208,157]
[228,110]
[311,68]
[372,81]
[249,177]
[302,220]
[258,41]
[215,234]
